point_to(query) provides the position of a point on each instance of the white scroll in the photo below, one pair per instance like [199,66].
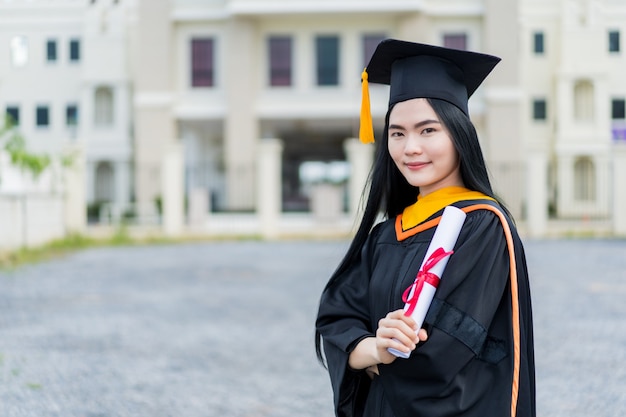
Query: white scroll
[422,291]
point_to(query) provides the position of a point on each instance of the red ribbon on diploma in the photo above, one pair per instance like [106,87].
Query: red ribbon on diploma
[423,276]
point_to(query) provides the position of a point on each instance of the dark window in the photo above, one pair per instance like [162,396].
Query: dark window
[202,62]
[43,116]
[51,50]
[618,108]
[280,60]
[455,41]
[74,50]
[370,42]
[614,41]
[71,115]
[13,115]
[539,109]
[327,52]
[538,43]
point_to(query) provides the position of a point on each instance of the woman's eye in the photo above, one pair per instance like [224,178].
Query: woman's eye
[395,134]
[428,130]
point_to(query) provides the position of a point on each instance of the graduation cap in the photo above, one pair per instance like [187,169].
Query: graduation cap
[415,70]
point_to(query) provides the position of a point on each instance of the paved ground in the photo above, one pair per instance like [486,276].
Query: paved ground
[226,329]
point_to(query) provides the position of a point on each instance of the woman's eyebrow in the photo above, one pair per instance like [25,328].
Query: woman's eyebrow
[418,124]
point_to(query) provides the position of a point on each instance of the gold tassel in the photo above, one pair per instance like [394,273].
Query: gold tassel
[366,130]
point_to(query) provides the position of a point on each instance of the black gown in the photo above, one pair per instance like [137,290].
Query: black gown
[478,360]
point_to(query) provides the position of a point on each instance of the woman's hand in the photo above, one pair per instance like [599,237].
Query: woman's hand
[396,331]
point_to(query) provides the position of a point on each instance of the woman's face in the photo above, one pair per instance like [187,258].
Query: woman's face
[421,147]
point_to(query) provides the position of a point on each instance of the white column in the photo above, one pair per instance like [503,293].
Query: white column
[90,181]
[603,184]
[537,194]
[75,210]
[122,108]
[565,183]
[172,186]
[619,189]
[269,185]
[122,184]
[241,126]
[360,157]
[198,207]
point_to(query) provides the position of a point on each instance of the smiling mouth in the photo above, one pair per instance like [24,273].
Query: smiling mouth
[416,165]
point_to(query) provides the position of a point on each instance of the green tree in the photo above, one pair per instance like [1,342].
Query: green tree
[14,144]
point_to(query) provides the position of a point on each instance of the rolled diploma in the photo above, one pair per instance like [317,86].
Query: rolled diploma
[445,237]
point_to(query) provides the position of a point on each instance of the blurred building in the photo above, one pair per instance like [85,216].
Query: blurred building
[573,113]
[234,73]
[218,81]
[65,81]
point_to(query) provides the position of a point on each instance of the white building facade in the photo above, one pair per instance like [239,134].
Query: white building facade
[65,80]
[574,116]
[236,74]
[217,86]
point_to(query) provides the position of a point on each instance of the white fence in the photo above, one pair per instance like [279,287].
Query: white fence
[36,210]
[28,220]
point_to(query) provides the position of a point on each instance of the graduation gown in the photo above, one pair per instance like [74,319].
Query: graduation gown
[478,360]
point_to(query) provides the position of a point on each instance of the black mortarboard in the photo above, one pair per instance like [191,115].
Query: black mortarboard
[415,70]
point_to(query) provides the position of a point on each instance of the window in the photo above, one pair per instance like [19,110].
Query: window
[538,43]
[455,41]
[583,101]
[370,42]
[539,109]
[202,62]
[618,108]
[19,51]
[618,114]
[614,41]
[104,188]
[42,116]
[584,180]
[51,50]
[327,52]
[74,50]
[280,60]
[13,115]
[103,109]
[71,115]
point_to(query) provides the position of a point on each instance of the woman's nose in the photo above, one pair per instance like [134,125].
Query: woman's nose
[413,145]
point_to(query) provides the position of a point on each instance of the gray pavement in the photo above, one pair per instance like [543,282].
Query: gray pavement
[226,329]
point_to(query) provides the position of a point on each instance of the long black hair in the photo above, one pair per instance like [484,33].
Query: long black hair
[390,193]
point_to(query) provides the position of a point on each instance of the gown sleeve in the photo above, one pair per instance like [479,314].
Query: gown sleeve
[343,321]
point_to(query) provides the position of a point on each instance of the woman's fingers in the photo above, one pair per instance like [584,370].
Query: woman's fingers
[396,328]
[422,335]
[390,337]
[400,331]
[396,325]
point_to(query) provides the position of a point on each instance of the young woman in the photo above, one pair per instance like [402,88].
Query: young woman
[474,355]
